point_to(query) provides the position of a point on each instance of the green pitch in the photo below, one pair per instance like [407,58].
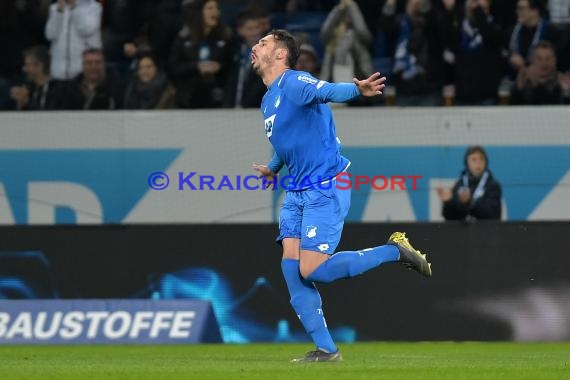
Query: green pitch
[361,361]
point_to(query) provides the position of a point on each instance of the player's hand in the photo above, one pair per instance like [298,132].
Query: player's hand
[371,86]
[208,67]
[265,173]
[444,194]
[464,195]
[564,80]
[129,49]
[20,95]
[517,61]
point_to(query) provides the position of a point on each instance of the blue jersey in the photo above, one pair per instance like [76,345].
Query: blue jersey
[300,126]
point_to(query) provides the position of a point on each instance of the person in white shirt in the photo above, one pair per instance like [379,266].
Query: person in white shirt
[73,26]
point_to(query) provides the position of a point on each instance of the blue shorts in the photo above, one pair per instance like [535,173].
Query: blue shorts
[315,216]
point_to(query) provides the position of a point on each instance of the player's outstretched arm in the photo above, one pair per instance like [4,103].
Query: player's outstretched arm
[307,89]
[371,86]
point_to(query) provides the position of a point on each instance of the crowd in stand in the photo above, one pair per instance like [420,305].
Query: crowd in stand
[163,54]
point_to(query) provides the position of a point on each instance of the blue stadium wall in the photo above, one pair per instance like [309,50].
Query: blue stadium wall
[95,168]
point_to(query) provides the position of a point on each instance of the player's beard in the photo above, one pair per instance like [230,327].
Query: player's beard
[258,67]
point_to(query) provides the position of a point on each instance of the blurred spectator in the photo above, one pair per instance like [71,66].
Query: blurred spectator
[72,27]
[347,41]
[308,60]
[95,88]
[21,26]
[292,6]
[122,23]
[418,67]
[150,88]
[473,44]
[163,21]
[263,17]
[41,92]
[244,88]
[531,28]
[200,57]
[476,194]
[559,12]
[371,11]
[504,14]
[540,82]
[136,48]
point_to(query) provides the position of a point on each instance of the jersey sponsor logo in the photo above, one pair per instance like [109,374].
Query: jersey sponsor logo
[321,84]
[307,79]
[269,122]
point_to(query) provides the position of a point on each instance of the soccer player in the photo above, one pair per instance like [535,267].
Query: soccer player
[300,126]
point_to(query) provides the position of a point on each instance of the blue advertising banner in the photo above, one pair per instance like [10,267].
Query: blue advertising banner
[107,321]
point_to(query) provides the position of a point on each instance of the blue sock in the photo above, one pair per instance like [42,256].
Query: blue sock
[353,263]
[306,302]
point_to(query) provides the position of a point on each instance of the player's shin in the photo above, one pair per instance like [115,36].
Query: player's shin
[306,302]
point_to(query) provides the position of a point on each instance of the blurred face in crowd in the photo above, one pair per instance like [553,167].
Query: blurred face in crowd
[211,14]
[250,31]
[307,62]
[414,7]
[146,70]
[32,68]
[264,24]
[476,163]
[545,61]
[93,67]
[484,4]
[526,15]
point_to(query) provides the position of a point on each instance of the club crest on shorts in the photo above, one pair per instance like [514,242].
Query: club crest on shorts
[311,231]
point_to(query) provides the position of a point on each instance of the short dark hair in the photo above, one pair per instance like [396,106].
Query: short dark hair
[537,4]
[40,54]
[149,55]
[544,45]
[245,16]
[476,149]
[289,42]
[93,51]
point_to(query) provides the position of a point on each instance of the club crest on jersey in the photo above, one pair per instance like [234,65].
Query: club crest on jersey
[269,125]
[307,79]
[311,232]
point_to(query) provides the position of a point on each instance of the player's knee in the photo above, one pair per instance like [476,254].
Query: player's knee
[306,270]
